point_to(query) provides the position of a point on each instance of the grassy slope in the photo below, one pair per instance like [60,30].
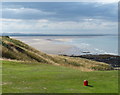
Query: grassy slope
[14,49]
[19,77]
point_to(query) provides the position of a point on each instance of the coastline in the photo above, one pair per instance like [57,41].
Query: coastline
[47,45]
[61,45]
[50,47]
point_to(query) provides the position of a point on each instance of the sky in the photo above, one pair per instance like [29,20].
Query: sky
[60,17]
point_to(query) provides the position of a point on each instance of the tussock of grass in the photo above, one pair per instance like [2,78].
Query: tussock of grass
[14,49]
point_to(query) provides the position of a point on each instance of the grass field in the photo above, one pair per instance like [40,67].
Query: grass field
[19,77]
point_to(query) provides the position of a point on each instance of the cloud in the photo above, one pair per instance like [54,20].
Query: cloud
[46,26]
[10,20]
[105,1]
[23,10]
[66,11]
[24,13]
[56,18]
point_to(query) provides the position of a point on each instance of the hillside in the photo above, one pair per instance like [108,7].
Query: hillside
[113,60]
[17,50]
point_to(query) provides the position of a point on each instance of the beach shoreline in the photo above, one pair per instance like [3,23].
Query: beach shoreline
[50,46]
[47,45]
[60,45]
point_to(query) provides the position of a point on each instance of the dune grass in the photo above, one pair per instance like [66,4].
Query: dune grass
[23,77]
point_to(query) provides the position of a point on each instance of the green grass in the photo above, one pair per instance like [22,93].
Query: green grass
[19,77]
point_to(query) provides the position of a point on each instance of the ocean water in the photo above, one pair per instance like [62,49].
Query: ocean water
[81,44]
[93,45]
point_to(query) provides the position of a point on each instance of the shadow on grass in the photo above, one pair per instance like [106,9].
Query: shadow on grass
[89,85]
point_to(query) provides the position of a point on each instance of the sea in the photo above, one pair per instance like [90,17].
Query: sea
[82,45]
[94,45]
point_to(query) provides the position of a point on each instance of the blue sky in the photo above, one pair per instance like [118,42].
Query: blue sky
[60,17]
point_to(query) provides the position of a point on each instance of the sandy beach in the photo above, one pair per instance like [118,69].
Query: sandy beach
[46,45]
[72,45]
